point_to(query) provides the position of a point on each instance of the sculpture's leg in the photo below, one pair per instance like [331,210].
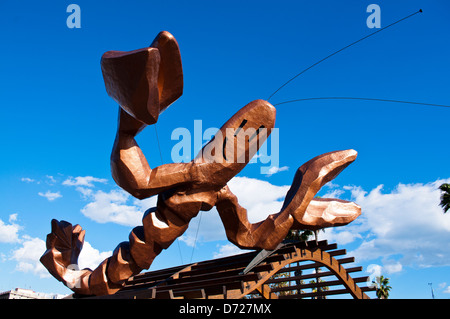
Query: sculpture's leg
[228,152]
[131,170]
[310,213]
[265,235]
[160,229]
[299,211]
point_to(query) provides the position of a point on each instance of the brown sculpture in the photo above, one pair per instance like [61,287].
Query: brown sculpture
[145,82]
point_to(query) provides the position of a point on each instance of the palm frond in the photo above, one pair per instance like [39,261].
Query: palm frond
[445,197]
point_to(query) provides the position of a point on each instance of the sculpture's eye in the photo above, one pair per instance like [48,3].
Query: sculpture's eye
[240,126]
[240,140]
[256,133]
[244,121]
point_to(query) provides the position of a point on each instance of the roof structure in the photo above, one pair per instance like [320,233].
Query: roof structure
[294,270]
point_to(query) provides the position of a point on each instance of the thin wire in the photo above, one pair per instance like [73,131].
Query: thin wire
[159,146]
[162,162]
[198,227]
[340,50]
[196,234]
[360,98]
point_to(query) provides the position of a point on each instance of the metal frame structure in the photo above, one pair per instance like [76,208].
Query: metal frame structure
[232,278]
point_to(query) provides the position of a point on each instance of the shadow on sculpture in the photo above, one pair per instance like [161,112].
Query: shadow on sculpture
[144,83]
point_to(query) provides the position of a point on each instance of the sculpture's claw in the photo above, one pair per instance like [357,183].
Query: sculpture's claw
[308,180]
[65,241]
[146,81]
[328,212]
[64,245]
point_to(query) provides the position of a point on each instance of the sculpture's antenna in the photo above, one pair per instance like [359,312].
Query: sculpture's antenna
[361,99]
[196,235]
[431,286]
[340,50]
[162,162]
[159,145]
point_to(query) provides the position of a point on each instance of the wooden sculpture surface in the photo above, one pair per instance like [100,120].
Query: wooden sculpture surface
[145,82]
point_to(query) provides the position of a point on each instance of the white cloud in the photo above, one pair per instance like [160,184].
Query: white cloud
[211,228]
[391,268]
[27,256]
[50,179]
[111,207]
[91,257]
[406,222]
[227,250]
[50,195]
[331,185]
[115,206]
[405,226]
[275,169]
[27,180]
[144,204]
[333,193]
[341,237]
[9,232]
[260,198]
[86,181]
[189,239]
[86,192]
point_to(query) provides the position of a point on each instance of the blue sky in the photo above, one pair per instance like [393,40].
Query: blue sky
[58,124]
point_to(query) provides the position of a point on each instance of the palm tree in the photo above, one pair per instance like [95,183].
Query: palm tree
[300,235]
[382,287]
[319,289]
[305,235]
[445,197]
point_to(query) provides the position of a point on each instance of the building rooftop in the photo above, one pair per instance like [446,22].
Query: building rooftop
[21,293]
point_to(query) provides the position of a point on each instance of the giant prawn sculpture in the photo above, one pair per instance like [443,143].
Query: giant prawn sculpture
[145,82]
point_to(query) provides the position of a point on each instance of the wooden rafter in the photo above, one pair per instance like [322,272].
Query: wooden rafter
[224,278]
